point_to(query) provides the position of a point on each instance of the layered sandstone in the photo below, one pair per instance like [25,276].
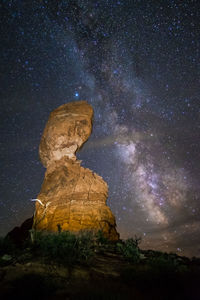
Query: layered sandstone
[72,197]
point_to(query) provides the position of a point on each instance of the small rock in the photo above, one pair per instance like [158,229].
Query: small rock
[142,256]
[6,257]
[18,264]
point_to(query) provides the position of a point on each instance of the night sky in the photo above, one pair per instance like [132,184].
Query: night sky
[138,64]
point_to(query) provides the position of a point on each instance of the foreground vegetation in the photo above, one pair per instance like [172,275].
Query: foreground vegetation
[68,249]
[88,266]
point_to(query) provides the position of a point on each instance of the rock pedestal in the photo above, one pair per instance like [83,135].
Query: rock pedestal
[72,197]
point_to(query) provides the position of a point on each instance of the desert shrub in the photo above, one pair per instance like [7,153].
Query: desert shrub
[8,251]
[85,245]
[165,263]
[129,249]
[100,238]
[65,247]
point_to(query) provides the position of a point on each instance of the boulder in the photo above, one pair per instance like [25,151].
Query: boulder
[18,235]
[68,128]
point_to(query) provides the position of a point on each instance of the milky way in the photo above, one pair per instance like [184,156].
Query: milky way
[137,63]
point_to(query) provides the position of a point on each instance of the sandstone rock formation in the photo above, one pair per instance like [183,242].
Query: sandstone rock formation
[72,197]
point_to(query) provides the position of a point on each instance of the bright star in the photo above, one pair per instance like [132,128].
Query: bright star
[76,94]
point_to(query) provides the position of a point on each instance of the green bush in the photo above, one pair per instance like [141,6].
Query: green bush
[100,238]
[129,249]
[85,245]
[65,247]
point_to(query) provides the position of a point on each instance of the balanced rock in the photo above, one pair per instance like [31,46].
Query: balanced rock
[72,197]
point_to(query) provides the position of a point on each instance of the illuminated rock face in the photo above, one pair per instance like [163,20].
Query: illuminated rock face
[68,127]
[73,198]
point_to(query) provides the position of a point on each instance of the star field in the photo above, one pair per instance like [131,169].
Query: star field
[138,64]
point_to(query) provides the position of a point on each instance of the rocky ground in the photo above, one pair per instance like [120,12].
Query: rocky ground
[107,275]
